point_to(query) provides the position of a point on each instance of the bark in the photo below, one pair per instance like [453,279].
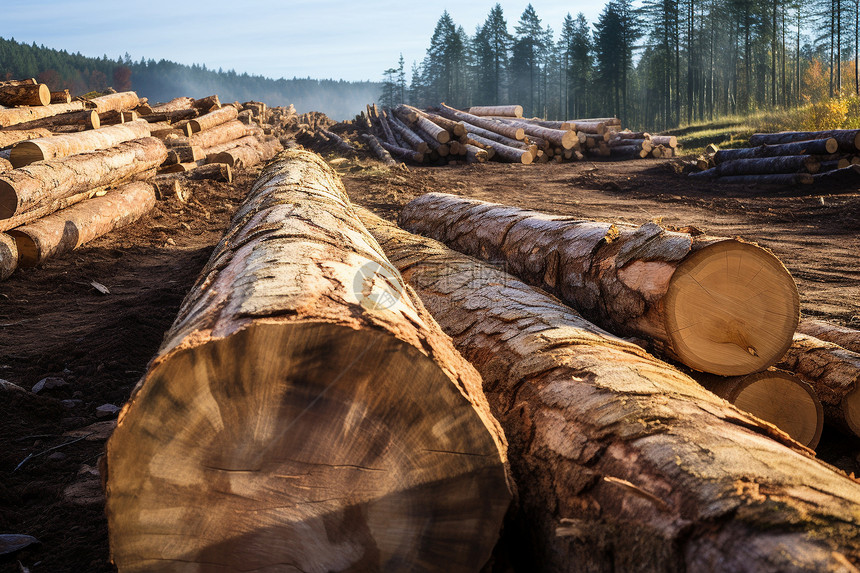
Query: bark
[408,135]
[510,131]
[213,118]
[774,179]
[563,138]
[510,154]
[632,135]
[215,149]
[848,175]
[380,152]
[172,116]
[848,139]
[847,338]
[455,127]
[184,154]
[175,104]
[208,103]
[340,144]
[15,116]
[833,165]
[783,164]
[597,127]
[61,97]
[25,94]
[628,152]
[11,137]
[622,462]
[197,171]
[497,110]
[41,183]
[86,119]
[665,140]
[8,256]
[246,116]
[245,156]
[475,154]
[304,410]
[180,167]
[122,101]
[70,228]
[5,164]
[27,82]
[833,372]
[473,130]
[438,133]
[219,134]
[810,147]
[403,153]
[644,282]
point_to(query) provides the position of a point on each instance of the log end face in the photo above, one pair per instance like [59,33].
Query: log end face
[27,152]
[27,247]
[8,200]
[851,409]
[731,308]
[831,145]
[44,94]
[520,134]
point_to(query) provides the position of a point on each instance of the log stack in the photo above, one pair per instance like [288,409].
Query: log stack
[787,158]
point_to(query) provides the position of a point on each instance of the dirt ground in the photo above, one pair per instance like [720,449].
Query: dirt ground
[55,324]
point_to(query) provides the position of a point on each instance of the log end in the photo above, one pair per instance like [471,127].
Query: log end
[526,158]
[569,140]
[28,249]
[518,111]
[851,409]
[731,308]
[193,127]
[8,200]
[520,134]
[44,94]
[25,153]
[8,256]
[310,444]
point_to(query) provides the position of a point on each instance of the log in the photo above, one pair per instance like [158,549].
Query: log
[193,171]
[180,167]
[455,127]
[62,96]
[246,156]
[497,110]
[847,338]
[623,463]
[121,101]
[111,117]
[626,152]
[70,228]
[847,175]
[8,256]
[386,129]
[833,165]
[216,149]
[510,154]
[223,133]
[15,116]
[809,147]
[848,139]
[473,130]
[563,138]
[25,94]
[213,118]
[88,119]
[595,127]
[403,153]
[718,305]
[380,152]
[475,154]
[57,146]
[773,179]
[11,137]
[408,135]
[775,396]
[246,116]
[5,164]
[438,133]
[340,144]
[175,104]
[354,436]
[665,140]
[510,131]
[834,374]
[27,82]
[632,135]
[782,164]
[41,183]
[208,103]
[184,154]
[172,116]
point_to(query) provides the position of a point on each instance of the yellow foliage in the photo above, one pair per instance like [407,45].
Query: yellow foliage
[827,114]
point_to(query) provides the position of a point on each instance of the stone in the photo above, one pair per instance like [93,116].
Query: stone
[107,410]
[49,383]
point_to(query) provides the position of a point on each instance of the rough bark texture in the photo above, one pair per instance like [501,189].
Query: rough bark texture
[8,256]
[813,147]
[846,175]
[70,228]
[58,146]
[380,152]
[403,153]
[5,164]
[848,139]
[304,411]
[208,103]
[847,338]
[15,116]
[408,135]
[436,132]
[87,119]
[249,154]
[11,137]
[717,305]
[473,130]
[172,116]
[62,96]
[213,118]
[501,150]
[115,102]
[665,140]
[40,184]
[622,462]
[768,165]
[498,110]
[246,140]
[223,133]
[510,131]
[834,374]
[26,94]
[563,138]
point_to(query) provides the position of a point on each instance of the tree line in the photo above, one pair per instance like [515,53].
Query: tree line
[164,80]
[656,64]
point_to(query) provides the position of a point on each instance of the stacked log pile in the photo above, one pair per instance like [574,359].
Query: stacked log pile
[787,158]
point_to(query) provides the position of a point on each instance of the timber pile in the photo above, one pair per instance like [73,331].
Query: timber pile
[787,158]
[447,135]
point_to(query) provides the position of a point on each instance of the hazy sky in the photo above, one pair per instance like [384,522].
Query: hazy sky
[352,40]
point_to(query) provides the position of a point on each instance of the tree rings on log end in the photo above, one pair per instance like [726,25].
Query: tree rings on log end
[8,200]
[731,309]
[851,410]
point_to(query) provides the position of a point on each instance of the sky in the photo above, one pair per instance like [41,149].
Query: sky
[339,39]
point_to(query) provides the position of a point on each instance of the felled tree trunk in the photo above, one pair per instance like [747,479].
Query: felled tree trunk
[11,137]
[622,462]
[62,96]
[510,131]
[223,133]
[115,102]
[213,118]
[304,410]
[813,147]
[5,164]
[175,104]
[403,153]
[563,138]
[473,130]
[497,110]
[8,256]
[58,146]
[70,228]
[717,305]
[248,155]
[380,152]
[15,116]
[847,338]
[834,374]
[39,184]
[764,166]
[25,94]
[773,179]
[408,135]
[848,139]
[847,175]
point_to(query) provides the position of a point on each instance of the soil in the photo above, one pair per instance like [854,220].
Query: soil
[54,323]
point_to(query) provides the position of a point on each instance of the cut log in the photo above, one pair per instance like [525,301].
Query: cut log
[380,152]
[245,156]
[455,127]
[438,133]
[833,165]
[717,305]
[39,184]
[111,117]
[847,338]
[15,116]
[622,462]
[27,82]
[834,374]
[172,116]
[208,103]
[61,97]
[8,256]
[563,138]
[87,119]
[246,116]
[196,171]
[773,179]
[847,175]
[510,154]
[121,101]
[25,94]
[70,228]
[764,166]
[473,130]
[625,152]
[175,104]
[184,154]
[11,137]
[223,133]
[304,409]
[403,153]
[5,164]
[809,147]
[595,127]
[213,118]
[215,149]
[775,396]
[848,139]
[498,110]
[410,137]
[475,154]
[58,146]
[181,167]
[510,131]
[341,145]
[665,140]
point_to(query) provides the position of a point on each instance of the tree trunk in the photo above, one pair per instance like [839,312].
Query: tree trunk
[773,179]
[812,147]
[455,127]
[208,103]
[473,130]
[175,104]
[509,154]
[672,289]
[39,184]
[774,396]
[833,372]
[25,94]
[846,176]
[197,171]
[5,164]
[438,133]
[563,138]
[408,135]
[61,97]
[622,462]
[595,127]
[27,82]
[15,116]
[781,164]
[11,137]
[219,134]
[475,154]
[403,153]
[215,149]
[629,152]
[378,150]
[848,139]
[213,118]
[497,110]
[172,116]
[665,140]
[847,338]
[510,131]
[245,156]
[304,410]
[58,146]
[8,256]
[70,228]
[121,101]
[184,154]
